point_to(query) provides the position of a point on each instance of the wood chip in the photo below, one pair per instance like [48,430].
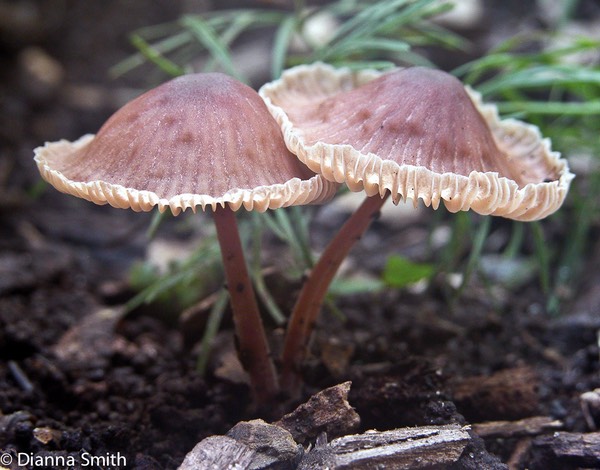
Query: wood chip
[508,394]
[274,446]
[562,448]
[218,452]
[524,427]
[327,411]
[407,448]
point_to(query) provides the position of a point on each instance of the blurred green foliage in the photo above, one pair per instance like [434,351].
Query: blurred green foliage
[557,89]
[401,272]
[377,34]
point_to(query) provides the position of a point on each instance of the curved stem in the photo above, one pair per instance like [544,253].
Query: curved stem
[253,348]
[310,300]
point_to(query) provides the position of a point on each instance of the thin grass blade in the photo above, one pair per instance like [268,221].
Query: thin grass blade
[207,37]
[156,57]
[281,43]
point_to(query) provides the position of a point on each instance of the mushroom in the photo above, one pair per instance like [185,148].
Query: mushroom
[200,140]
[411,133]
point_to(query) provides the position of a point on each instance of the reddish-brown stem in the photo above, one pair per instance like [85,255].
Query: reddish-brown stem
[253,348]
[310,300]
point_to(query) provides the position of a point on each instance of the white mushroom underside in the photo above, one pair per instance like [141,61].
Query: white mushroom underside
[292,192]
[486,193]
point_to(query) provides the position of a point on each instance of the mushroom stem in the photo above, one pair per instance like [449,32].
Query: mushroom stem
[253,348]
[312,295]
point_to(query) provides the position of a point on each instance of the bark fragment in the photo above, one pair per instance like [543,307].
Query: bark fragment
[524,427]
[406,448]
[274,446]
[327,411]
[218,452]
[566,450]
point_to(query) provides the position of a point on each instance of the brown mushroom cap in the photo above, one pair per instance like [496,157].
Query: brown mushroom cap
[197,140]
[418,133]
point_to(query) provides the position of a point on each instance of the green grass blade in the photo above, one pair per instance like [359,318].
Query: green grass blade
[369,22]
[156,32]
[302,257]
[256,272]
[475,255]
[541,77]
[157,219]
[273,226]
[156,289]
[516,240]
[300,221]
[202,262]
[414,58]
[589,108]
[432,34]
[412,15]
[362,46]
[364,64]
[215,318]
[281,43]
[267,299]
[542,254]
[354,22]
[204,33]
[156,57]
[388,27]
[452,252]
[239,24]
[162,47]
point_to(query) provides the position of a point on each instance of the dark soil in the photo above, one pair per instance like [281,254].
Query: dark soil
[77,374]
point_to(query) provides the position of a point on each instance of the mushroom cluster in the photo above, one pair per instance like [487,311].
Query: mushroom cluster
[207,140]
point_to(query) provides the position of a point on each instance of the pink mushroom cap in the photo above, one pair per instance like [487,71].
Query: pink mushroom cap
[197,140]
[419,134]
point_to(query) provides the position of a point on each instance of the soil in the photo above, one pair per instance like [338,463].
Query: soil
[77,373]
